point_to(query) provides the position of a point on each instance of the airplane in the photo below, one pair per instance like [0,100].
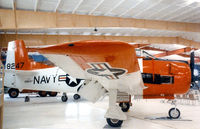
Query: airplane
[111,67]
[34,72]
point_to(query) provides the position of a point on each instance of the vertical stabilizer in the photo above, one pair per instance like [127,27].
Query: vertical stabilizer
[17,56]
[10,58]
[18,59]
[10,66]
[22,61]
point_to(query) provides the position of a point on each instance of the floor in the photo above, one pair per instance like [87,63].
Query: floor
[51,113]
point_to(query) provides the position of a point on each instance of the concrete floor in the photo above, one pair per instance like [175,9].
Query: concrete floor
[51,113]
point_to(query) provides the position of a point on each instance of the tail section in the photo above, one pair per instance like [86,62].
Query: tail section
[22,61]
[10,58]
[18,59]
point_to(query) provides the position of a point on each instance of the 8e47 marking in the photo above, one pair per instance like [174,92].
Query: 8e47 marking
[13,66]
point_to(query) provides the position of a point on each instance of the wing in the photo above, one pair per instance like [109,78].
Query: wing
[114,64]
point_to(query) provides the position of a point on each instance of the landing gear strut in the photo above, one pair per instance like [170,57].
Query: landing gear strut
[114,115]
[27,99]
[64,97]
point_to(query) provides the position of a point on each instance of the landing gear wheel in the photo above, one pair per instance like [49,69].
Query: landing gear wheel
[64,98]
[114,122]
[42,93]
[13,93]
[76,96]
[174,113]
[124,106]
[52,94]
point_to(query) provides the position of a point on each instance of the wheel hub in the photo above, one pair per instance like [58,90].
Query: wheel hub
[14,93]
[124,105]
[114,120]
[174,113]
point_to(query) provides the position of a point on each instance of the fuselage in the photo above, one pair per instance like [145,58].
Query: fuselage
[49,79]
[164,78]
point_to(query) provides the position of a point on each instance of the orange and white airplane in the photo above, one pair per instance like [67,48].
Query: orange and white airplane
[22,72]
[112,67]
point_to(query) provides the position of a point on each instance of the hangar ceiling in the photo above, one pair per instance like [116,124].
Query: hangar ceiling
[169,10]
[151,18]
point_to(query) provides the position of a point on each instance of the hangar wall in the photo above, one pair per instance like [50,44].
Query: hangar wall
[42,39]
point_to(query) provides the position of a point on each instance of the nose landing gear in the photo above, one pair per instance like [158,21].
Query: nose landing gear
[174,113]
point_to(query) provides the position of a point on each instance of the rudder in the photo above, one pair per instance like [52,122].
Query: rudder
[17,56]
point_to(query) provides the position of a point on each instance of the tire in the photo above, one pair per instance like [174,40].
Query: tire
[124,106]
[114,122]
[64,98]
[13,93]
[52,94]
[42,93]
[76,96]
[174,113]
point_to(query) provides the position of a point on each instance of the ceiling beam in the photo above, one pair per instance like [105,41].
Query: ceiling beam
[77,6]
[147,8]
[46,20]
[14,4]
[36,5]
[132,7]
[117,5]
[96,7]
[57,5]
[33,40]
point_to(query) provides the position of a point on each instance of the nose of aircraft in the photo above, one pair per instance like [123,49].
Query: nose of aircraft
[183,78]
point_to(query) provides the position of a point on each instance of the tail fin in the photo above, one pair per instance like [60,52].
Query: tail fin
[18,59]
[17,56]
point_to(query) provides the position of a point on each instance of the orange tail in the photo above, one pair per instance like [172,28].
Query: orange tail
[18,59]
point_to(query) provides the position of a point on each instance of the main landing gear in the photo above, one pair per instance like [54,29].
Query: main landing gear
[174,113]
[13,93]
[64,97]
[114,115]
